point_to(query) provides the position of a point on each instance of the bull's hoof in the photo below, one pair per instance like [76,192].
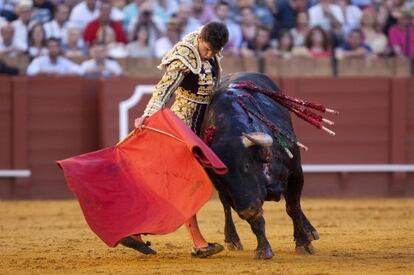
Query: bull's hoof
[313,235]
[306,249]
[234,245]
[264,253]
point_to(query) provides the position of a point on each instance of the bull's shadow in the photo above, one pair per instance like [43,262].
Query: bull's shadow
[262,167]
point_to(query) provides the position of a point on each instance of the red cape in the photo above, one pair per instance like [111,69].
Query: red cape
[149,183]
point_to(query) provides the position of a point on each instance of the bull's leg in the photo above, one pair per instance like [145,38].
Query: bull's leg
[231,238]
[303,231]
[263,250]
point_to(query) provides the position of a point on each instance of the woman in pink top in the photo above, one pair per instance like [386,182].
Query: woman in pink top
[401,35]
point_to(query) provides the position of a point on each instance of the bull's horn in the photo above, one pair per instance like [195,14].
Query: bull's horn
[256,138]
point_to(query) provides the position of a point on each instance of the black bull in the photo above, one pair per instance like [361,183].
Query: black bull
[259,169]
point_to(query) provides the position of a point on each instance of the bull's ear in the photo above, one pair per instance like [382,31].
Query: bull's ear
[256,138]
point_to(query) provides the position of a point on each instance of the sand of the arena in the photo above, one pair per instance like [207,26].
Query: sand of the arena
[357,237]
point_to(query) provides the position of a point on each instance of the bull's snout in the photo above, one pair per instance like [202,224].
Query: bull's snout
[251,213]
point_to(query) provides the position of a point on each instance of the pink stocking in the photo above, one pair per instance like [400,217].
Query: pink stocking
[194,231]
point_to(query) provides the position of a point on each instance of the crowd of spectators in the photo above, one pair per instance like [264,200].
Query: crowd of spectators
[53,32]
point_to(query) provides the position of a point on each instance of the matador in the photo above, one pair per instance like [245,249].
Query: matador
[192,69]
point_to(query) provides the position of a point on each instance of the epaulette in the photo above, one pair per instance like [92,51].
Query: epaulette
[186,52]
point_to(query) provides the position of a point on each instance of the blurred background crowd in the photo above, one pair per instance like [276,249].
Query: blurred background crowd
[86,37]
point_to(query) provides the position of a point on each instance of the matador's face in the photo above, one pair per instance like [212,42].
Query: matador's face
[205,50]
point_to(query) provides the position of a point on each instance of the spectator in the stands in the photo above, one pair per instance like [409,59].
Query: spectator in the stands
[83,13]
[21,25]
[401,35]
[260,9]
[53,63]
[7,48]
[171,37]
[317,43]
[37,41]
[117,12]
[70,3]
[248,25]
[202,12]
[386,13]
[131,12]
[100,65]
[7,44]
[259,47]
[8,10]
[222,13]
[375,39]
[188,23]
[114,48]
[43,11]
[74,47]
[301,30]
[351,14]
[164,9]
[285,13]
[139,45]
[91,31]
[327,15]
[285,45]
[354,46]
[58,26]
[146,18]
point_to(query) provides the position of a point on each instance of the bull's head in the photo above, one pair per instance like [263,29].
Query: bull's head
[254,169]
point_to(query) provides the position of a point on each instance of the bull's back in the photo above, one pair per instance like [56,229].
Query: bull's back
[227,114]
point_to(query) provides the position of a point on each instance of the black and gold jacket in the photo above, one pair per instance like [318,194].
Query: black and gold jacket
[192,79]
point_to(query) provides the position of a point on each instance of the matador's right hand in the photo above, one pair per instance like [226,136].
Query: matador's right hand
[139,121]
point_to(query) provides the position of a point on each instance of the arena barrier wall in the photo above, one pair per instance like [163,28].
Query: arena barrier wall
[44,119]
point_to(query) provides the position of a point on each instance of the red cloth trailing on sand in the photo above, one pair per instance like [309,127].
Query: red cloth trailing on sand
[151,182]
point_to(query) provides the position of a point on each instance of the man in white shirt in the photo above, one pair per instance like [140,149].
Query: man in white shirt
[327,15]
[7,45]
[53,63]
[57,28]
[21,25]
[83,13]
[100,65]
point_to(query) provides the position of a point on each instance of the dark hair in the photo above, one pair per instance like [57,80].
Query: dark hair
[138,28]
[38,24]
[358,31]
[53,39]
[216,34]
[286,32]
[326,43]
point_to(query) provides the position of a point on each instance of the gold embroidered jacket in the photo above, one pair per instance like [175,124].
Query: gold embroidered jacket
[191,79]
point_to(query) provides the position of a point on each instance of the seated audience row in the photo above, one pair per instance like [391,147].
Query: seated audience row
[149,28]
[53,63]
